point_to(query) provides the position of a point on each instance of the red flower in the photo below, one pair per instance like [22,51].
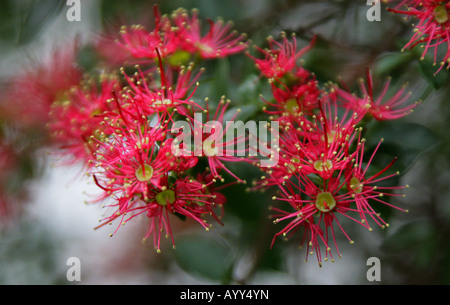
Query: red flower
[219,41]
[134,156]
[280,58]
[184,198]
[31,93]
[431,26]
[318,144]
[179,36]
[77,118]
[143,44]
[364,189]
[315,209]
[211,139]
[171,94]
[295,99]
[134,165]
[379,107]
[317,201]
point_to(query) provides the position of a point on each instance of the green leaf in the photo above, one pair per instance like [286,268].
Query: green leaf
[87,58]
[320,59]
[34,15]
[392,62]
[416,239]
[221,82]
[248,206]
[245,112]
[8,27]
[404,140]
[248,91]
[429,72]
[411,136]
[204,257]
[180,216]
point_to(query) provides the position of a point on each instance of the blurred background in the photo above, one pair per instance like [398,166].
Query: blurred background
[44,218]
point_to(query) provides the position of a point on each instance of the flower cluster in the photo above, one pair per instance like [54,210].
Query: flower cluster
[179,39]
[30,94]
[159,151]
[76,117]
[431,27]
[121,125]
[324,171]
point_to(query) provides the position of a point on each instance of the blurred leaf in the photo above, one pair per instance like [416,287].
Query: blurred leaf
[248,205]
[319,60]
[272,259]
[391,63]
[246,112]
[8,25]
[411,136]
[418,239]
[221,82]
[404,140]
[429,72]
[131,12]
[205,257]
[207,9]
[446,267]
[34,15]
[410,234]
[180,216]
[386,154]
[87,58]
[249,89]
[22,20]
[28,255]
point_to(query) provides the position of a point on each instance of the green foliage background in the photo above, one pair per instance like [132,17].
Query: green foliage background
[415,249]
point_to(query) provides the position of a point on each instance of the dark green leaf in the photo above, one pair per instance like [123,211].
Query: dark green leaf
[35,15]
[390,63]
[180,216]
[87,58]
[204,256]
[417,239]
[429,72]
[403,140]
[221,82]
